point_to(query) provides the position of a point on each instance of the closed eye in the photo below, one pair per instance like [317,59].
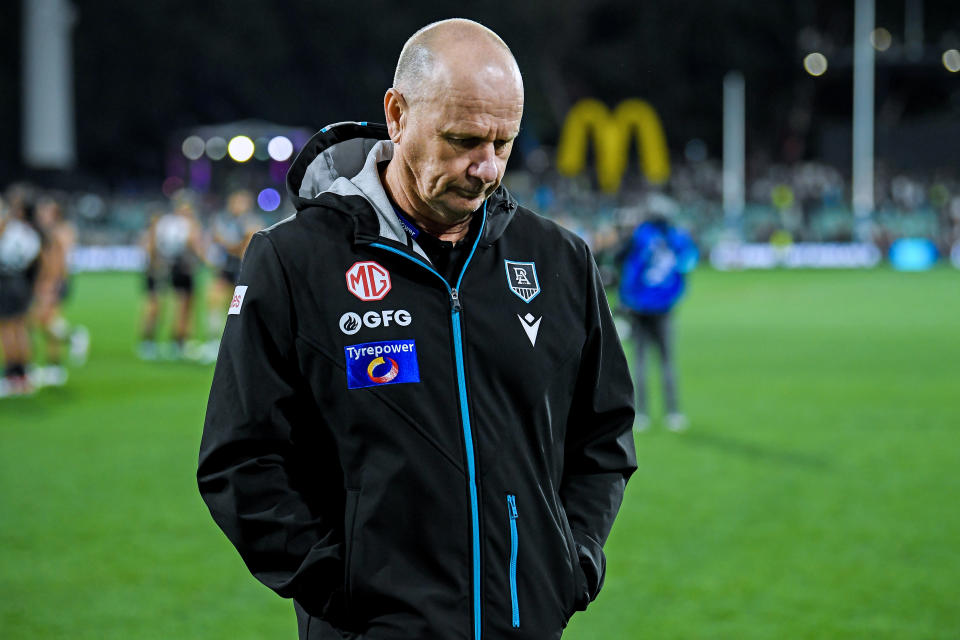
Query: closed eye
[473,142]
[465,143]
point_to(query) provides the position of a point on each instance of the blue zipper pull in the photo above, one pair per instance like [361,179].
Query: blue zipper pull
[512,502]
[455,300]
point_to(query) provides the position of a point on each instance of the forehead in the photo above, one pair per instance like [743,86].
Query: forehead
[470,112]
[479,97]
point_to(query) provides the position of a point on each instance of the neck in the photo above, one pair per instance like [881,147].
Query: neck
[447,231]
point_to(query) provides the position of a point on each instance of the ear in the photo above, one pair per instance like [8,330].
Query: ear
[395,110]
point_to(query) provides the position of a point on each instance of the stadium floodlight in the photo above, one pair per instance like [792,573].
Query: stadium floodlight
[260,149]
[216,148]
[280,148]
[815,63]
[951,60]
[192,147]
[240,148]
[268,199]
[881,39]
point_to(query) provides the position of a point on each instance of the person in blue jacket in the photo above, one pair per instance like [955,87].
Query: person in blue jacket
[655,261]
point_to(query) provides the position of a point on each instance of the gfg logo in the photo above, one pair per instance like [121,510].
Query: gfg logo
[351,322]
[368,281]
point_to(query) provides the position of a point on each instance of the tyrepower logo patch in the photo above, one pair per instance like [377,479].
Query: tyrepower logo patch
[368,280]
[374,364]
[237,301]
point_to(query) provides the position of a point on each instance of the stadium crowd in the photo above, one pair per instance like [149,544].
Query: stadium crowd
[179,236]
[805,202]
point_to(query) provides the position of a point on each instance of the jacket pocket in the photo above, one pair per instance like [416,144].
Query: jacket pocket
[581,596]
[349,522]
[514,550]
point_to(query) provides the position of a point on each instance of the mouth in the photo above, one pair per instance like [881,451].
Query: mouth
[471,195]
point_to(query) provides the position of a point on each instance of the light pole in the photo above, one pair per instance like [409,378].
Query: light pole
[863,108]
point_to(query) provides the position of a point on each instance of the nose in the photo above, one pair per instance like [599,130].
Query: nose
[484,164]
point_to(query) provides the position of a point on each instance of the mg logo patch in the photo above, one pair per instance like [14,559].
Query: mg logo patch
[368,280]
[522,279]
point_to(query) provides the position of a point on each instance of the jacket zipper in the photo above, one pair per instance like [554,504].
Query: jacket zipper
[455,309]
[514,544]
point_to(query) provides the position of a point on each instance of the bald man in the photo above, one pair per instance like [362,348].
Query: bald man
[420,421]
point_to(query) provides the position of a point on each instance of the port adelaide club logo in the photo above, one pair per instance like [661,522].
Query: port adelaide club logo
[522,279]
[368,281]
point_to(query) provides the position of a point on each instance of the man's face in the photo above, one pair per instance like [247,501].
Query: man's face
[239,202]
[455,145]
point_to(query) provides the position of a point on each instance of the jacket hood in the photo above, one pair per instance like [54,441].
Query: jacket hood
[342,158]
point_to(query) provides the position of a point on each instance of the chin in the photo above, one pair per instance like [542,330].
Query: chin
[459,209]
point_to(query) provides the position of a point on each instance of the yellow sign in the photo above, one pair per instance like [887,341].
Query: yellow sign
[611,140]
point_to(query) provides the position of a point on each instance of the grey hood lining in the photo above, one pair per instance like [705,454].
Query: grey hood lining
[327,174]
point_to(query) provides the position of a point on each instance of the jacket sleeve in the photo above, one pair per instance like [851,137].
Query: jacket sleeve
[599,455]
[251,474]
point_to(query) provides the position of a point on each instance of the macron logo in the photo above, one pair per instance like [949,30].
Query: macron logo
[237,301]
[531,326]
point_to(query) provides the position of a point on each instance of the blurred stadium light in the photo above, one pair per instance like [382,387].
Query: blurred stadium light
[193,147]
[269,199]
[815,63]
[951,60]
[880,39]
[240,148]
[216,148]
[280,148]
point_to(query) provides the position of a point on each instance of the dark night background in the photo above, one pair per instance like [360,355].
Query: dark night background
[145,70]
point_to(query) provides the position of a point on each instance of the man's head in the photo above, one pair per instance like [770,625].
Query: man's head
[184,208]
[240,202]
[49,212]
[453,113]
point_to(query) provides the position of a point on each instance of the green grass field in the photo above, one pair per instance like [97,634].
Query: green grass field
[814,496]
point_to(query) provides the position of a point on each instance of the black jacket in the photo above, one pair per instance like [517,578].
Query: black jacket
[404,458]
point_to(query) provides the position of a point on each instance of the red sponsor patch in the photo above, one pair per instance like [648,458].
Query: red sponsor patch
[368,280]
[237,301]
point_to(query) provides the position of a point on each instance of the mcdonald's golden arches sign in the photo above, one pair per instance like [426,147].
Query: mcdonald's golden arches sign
[611,138]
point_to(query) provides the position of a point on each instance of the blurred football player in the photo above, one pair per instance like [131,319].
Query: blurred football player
[53,287]
[174,245]
[20,248]
[231,230]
